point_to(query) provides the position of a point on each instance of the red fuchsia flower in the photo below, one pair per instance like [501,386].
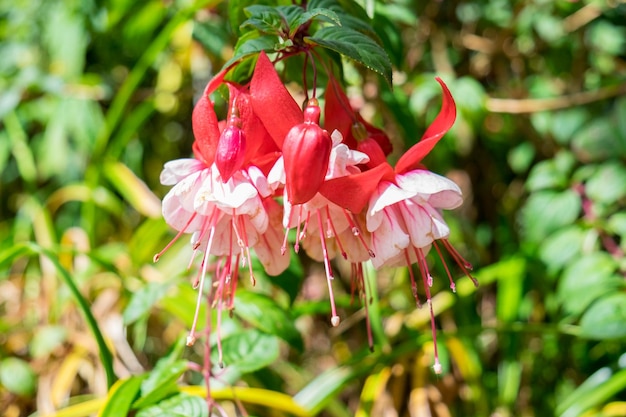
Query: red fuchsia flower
[404,203]
[223,197]
[323,228]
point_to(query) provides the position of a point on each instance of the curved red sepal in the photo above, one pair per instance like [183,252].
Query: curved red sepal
[353,192]
[337,112]
[442,123]
[205,130]
[271,101]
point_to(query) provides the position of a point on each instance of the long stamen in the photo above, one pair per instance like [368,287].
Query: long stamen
[426,277]
[465,266]
[296,246]
[329,273]
[283,248]
[178,235]
[364,291]
[247,248]
[452,284]
[191,338]
[413,283]
[334,233]
[356,231]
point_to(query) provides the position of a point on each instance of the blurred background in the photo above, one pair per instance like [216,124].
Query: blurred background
[95,96]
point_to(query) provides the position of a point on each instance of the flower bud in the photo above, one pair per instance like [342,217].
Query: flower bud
[306,151]
[231,147]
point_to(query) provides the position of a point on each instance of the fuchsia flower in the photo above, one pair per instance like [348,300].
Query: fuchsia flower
[223,197]
[339,192]
[403,214]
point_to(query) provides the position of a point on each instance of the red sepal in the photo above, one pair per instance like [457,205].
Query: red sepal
[442,123]
[353,192]
[205,130]
[271,101]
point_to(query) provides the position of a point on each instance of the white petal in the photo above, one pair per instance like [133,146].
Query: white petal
[390,238]
[260,181]
[439,191]
[175,171]
[386,195]
[277,176]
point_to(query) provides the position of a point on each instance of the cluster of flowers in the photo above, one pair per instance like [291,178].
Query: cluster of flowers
[338,191]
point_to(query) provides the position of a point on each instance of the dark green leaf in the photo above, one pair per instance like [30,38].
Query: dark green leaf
[181,405]
[249,351]
[318,13]
[266,315]
[606,318]
[354,45]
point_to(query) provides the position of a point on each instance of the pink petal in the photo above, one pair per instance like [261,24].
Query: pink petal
[442,123]
[389,239]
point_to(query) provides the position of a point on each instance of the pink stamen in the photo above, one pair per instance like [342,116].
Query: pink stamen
[333,232]
[296,246]
[413,283]
[247,247]
[452,284]
[178,235]
[465,266]
[191,338]
[423,267]
[329,273]
[283,248]
[356,231]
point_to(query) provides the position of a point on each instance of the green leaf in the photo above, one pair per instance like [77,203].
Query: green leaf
[608,184]
[606,318]
[161,381]
[249,351]
[562,247]
[586,279]
[17,376]
[354,45]
[318,13]
[142,301]
[546,212]
[121,396]
[596,390]
[598,141]
[266,315]
[552,173]
[265,19]
[181,405]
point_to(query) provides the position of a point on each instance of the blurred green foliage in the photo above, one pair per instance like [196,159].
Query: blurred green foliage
[96,95]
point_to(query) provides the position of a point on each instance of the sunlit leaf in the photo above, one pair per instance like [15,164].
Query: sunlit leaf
[354,45]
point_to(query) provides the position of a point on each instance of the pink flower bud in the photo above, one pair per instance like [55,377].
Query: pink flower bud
[231,147]
[306,151]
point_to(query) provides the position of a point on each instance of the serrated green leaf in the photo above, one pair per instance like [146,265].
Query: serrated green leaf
[606,318]
[354,45]
[249,350]
[142,301]
[251,44]
[318,13]
[266,315]
[181,405]
[265,19]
